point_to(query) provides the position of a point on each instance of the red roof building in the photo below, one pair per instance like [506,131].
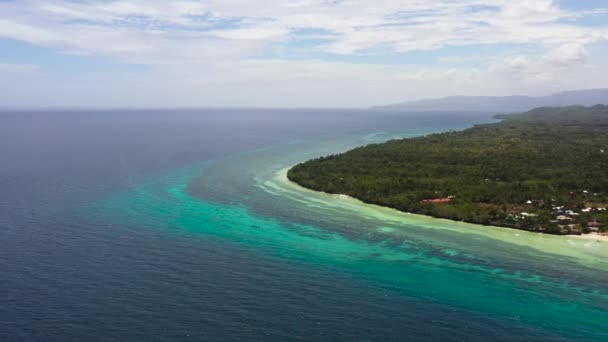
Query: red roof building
[436,201]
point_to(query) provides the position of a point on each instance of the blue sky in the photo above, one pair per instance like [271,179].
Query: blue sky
[298,53]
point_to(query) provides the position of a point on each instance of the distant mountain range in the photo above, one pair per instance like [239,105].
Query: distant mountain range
[503,103]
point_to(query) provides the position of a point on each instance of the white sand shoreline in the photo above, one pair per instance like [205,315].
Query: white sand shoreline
[589,250]
[591,236]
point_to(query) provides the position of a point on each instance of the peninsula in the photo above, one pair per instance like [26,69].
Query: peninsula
[545,170]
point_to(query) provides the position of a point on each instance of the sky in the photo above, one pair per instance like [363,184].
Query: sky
[297,53]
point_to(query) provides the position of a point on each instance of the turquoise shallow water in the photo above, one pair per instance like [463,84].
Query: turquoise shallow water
[181,226]
[555,285]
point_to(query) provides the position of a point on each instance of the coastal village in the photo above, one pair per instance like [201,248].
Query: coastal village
[583,218]
[512,173]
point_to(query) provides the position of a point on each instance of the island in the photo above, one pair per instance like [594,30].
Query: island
[545,170]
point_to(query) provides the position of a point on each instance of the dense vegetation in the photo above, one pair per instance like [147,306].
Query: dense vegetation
[540,163]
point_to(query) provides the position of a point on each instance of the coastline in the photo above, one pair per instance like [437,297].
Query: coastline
[593,236]
[507,190]
[587,237]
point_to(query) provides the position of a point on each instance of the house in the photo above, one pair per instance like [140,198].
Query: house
[573,228]
[436,201]
[524,214]
[594,226]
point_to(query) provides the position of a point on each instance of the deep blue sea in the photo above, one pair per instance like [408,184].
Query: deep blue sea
[179,225]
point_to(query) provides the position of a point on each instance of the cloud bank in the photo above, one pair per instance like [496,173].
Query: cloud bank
[311,53]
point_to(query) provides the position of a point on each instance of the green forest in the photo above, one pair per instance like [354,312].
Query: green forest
[545,170]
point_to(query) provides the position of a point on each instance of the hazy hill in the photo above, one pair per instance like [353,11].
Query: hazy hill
[504,103]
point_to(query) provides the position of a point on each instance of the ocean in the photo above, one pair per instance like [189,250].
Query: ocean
[180,225]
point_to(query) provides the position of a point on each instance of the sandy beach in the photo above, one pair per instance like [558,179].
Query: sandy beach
[593,236]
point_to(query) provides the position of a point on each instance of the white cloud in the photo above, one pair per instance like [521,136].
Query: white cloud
[566,55]
[545,68]
[400,26]
[18,68]
[204,50]
[28,33]
[279,83]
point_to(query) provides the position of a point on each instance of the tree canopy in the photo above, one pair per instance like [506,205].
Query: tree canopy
[527,163]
